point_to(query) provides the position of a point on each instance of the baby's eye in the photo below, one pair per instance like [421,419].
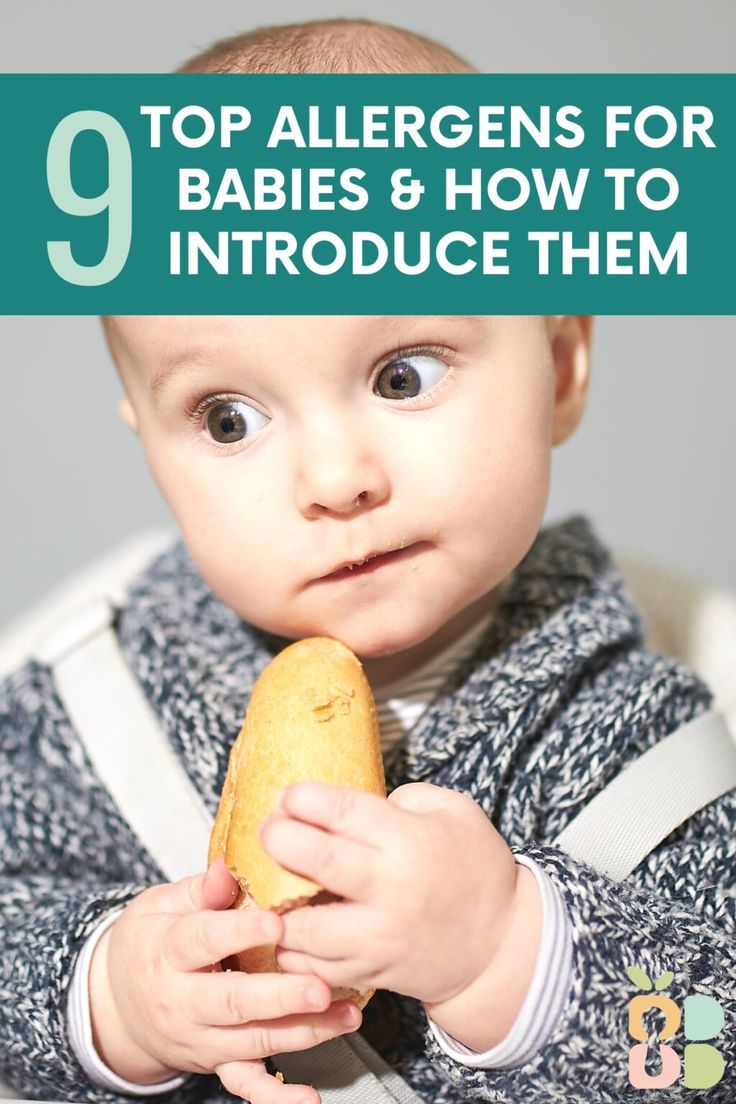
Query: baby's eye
[408,376]
[230,421]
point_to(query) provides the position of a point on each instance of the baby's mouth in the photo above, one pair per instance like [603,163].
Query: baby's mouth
[373,563]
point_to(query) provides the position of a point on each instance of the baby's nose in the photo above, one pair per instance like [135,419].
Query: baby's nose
[337,471]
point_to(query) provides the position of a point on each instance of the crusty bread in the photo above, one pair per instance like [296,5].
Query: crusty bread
[311,717]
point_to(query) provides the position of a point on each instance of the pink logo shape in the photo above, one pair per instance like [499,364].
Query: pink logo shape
[667,1076]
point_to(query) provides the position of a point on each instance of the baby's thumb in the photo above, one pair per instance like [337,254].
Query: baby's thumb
[215,889]
[219,888]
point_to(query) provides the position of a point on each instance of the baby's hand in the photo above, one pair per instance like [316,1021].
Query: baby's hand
[161,1003]
[426,882]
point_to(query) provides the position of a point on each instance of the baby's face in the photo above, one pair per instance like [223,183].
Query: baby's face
[290,447]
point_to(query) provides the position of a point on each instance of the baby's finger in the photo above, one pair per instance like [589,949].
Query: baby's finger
[262,1038]
[352,814]
[220,886]
[202,939]
[252,1082]
[223,1000]
[341,865]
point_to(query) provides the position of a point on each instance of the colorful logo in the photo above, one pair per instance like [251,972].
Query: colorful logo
[703,1019]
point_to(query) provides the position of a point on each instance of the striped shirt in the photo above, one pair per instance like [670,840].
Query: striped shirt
[400,704]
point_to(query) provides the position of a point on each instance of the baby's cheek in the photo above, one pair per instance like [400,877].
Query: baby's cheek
[513,486]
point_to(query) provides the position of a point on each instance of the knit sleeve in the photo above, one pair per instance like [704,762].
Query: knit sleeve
[676,912]
[67,860]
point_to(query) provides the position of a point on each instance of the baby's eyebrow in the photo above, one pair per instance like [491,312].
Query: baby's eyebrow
[172,364]
[408,322]
[473,318]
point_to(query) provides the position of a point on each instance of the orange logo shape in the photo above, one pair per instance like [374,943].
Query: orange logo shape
[641,1004]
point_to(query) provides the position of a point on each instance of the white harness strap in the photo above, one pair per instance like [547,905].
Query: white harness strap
[653,795]
[124,740]
[128,748]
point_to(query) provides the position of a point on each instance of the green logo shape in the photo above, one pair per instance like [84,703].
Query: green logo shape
[704,1066]
[639,978]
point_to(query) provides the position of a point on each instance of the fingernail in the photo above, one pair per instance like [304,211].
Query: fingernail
[350,1016]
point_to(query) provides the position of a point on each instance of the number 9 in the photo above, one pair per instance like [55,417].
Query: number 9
[117,197]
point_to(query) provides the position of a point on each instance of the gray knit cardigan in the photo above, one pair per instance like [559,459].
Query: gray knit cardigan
[559,696]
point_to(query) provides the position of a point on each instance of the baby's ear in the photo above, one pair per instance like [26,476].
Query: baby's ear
[127,413]
[570,336]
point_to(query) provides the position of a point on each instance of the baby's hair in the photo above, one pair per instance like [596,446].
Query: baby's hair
[327,46]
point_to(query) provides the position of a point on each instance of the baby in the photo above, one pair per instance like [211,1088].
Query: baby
[381,480]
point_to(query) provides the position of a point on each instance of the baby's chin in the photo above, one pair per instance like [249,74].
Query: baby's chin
[374,635]
[369,643]
[377,646]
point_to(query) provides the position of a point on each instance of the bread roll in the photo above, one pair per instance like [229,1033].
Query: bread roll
[311,717]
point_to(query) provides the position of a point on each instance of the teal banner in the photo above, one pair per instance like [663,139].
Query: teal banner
[351,194]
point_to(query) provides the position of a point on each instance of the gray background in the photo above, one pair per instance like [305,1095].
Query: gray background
[653,462]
